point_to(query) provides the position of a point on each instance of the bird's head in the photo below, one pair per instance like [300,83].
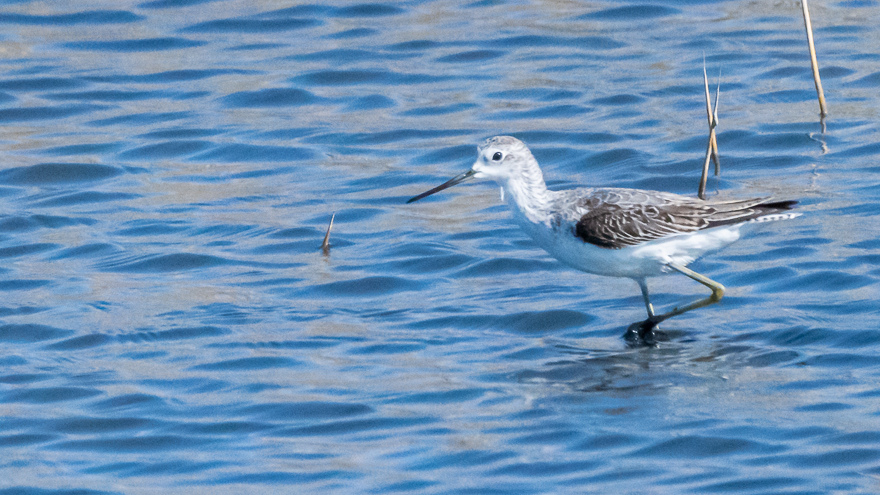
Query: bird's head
[501,158]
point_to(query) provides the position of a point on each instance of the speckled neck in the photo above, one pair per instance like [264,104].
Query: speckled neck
[527,194]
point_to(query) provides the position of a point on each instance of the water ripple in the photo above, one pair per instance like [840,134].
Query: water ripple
[54,173]
[30,333]
[245,25]
[270,97]
[27,114]
[632,13]
[86,17]
[135,45]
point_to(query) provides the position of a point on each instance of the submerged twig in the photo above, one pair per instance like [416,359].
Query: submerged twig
[821,94]
[325,246]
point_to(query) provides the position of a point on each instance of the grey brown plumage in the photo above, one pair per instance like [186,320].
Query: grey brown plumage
[617,232]
[616,218]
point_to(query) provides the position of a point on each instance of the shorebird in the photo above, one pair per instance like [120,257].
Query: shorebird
[617,232]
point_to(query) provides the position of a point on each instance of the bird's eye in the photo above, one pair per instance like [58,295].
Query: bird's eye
[497,156]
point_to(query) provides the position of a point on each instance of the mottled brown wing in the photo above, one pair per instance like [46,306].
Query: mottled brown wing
[614,218]
[617,225]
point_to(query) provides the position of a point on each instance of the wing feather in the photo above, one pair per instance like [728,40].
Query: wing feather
[617,218]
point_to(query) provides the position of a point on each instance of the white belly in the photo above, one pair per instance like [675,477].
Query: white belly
[645,260]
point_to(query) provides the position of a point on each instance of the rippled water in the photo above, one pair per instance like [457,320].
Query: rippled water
[169,322]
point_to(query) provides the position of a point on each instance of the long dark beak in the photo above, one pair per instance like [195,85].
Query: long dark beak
[451,182]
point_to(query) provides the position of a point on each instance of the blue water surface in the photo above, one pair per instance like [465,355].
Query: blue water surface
[169,323]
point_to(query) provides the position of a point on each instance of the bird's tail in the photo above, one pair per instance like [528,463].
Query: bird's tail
[778,210]
[779,205]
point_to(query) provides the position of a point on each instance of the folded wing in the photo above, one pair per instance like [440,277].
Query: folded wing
[617,218]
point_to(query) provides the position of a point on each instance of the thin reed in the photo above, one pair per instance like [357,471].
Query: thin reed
[712,146]
[325,246]
[815,64]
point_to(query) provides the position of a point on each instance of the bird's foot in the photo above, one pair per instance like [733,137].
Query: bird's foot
[643,332]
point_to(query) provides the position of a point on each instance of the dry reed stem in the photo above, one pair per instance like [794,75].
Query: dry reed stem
[713,119]
[326,244]
[712,127]
[821,94]
[712,146]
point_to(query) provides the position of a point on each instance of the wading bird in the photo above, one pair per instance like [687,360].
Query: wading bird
[617,232]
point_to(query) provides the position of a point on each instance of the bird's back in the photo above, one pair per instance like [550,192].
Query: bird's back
[615,218]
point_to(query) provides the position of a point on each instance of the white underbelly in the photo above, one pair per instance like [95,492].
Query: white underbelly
[645,260]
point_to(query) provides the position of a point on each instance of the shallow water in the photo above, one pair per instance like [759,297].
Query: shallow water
[169,321]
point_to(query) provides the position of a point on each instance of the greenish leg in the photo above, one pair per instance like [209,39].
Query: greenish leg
[643,284]
[645,329]
[717,293]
